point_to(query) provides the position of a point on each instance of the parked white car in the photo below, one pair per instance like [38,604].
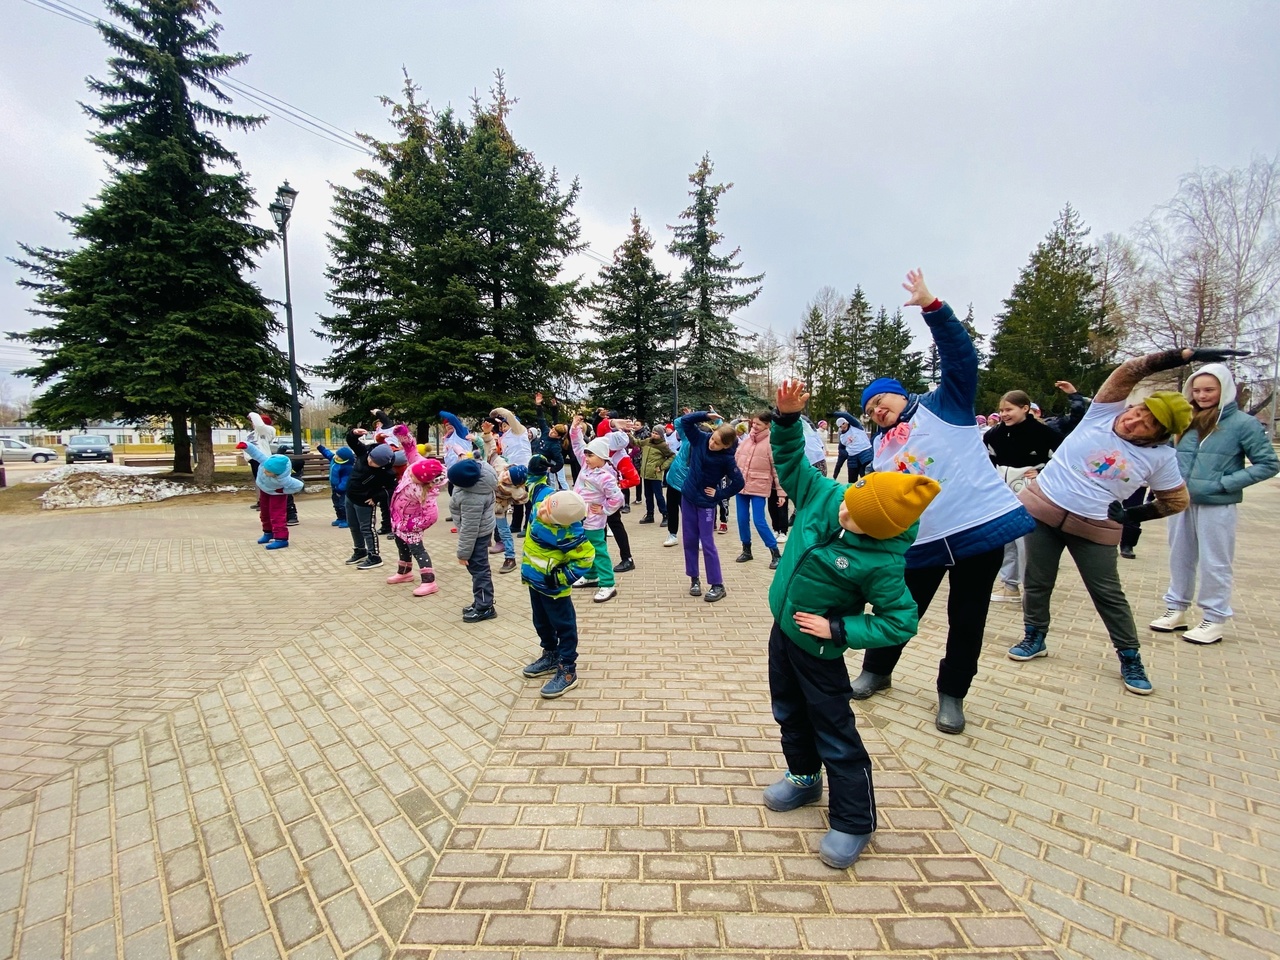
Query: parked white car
[15,450]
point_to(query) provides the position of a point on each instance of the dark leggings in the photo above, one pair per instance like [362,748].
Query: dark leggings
[778,511]
[517,516]
[970,582]
[673,510]
[620,534]
[414,551]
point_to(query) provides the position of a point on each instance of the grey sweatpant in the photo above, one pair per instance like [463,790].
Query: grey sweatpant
[1097,564]
[1204,534]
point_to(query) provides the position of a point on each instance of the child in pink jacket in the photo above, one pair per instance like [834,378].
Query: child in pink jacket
[597,484]
[413,511]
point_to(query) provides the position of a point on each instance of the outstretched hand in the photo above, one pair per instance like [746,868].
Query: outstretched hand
[1066,386]
[920,295]
[792,396]
[1214,354]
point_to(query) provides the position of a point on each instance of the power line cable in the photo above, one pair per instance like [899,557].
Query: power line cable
[273,105]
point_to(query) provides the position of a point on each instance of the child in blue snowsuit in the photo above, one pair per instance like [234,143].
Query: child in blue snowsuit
[339,473]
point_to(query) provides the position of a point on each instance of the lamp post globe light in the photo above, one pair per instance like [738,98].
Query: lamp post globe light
[281,209]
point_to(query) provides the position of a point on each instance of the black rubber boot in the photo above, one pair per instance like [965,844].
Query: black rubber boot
[869,683]
[950,714]
[745,555]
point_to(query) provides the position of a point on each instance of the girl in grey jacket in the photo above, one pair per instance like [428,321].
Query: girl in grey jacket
[1211,458]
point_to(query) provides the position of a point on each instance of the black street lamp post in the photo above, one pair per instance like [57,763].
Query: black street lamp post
[280,212]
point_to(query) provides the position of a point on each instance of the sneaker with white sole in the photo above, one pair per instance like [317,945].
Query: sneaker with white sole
[1207,632]
[1133,673]
[1006,593]
[671,540]
[781,538]
[585,583]
[1172,619]
[604,593]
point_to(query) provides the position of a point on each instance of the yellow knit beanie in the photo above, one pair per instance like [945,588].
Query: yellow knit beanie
[1171,409]
[884,505]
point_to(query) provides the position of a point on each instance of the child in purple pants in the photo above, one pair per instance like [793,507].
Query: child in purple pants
[713,475]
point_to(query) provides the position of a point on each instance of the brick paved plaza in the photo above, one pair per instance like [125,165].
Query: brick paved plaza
[207,750]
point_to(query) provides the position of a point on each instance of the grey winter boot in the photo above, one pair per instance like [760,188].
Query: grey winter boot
[869,683]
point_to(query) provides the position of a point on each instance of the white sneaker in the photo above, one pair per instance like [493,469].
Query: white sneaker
[671,541]
[1207,632]
[1006,593]
[781,538]
[1170,621]
[605,593]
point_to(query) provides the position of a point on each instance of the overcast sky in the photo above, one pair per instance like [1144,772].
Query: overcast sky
[862,138]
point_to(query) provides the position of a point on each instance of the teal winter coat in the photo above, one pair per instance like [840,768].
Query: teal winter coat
[1214,468]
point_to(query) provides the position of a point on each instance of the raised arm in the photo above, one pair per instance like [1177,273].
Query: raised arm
[957,356]
[1132,372]
[518,428]
[407,443]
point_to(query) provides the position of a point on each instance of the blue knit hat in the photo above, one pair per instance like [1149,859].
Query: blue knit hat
[279,465]
[518,474]
[343,455]
[465,473]
[882,385]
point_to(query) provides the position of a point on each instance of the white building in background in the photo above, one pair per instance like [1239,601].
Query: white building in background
[117,433]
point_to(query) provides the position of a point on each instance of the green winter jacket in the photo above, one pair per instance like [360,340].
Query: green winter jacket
[655,457]
[831,572]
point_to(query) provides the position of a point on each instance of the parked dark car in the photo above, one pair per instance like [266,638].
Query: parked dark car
[285,445]
[89,446]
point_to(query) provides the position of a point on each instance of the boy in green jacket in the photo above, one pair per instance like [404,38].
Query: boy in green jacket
[845,551]
[556,553]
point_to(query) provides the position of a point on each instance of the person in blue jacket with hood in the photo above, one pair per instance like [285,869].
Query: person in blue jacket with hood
[339,473]
[276,484]
[964,530]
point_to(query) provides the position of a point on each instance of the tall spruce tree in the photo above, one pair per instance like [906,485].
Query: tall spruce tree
[1052,320]
[151,316]
[628,361]
[459,302]
[850,340]
[889,352]
[712,362]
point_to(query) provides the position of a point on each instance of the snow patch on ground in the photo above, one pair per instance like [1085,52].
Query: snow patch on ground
[112,485]
[91,489]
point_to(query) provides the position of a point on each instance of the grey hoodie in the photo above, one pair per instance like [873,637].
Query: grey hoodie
[472,507]
[1215,469]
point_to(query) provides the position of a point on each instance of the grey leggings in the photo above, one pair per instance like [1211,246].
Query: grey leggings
[1097,564]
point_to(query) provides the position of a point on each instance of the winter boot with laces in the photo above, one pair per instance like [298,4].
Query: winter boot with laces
[745,555]
[774,557]
[1032,644]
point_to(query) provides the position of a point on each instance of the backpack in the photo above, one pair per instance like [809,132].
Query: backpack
[628,476]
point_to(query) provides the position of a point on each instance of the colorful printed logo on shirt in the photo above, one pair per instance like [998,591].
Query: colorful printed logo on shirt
[907,462]
[1108,466]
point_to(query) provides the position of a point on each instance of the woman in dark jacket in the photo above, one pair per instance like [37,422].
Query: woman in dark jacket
[1020,446]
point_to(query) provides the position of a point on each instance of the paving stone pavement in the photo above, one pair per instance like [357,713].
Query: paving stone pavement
[211,751]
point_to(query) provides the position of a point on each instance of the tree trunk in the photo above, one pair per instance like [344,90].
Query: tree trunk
[181,442]
[204,450]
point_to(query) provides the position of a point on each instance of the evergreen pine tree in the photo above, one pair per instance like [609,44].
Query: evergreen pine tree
[1052,320]
[447,268]
[628,359]
[150,316]
[890,354]
[712,362]
[850,340]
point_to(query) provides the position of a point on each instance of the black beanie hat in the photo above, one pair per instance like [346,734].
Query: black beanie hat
[465,473]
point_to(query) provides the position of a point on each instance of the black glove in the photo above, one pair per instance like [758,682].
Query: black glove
[1215,354]
[1117,511]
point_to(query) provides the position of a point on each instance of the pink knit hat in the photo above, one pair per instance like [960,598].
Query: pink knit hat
[426,470]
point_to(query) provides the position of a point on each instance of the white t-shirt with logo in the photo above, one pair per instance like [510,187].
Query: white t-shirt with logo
[1094,466]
